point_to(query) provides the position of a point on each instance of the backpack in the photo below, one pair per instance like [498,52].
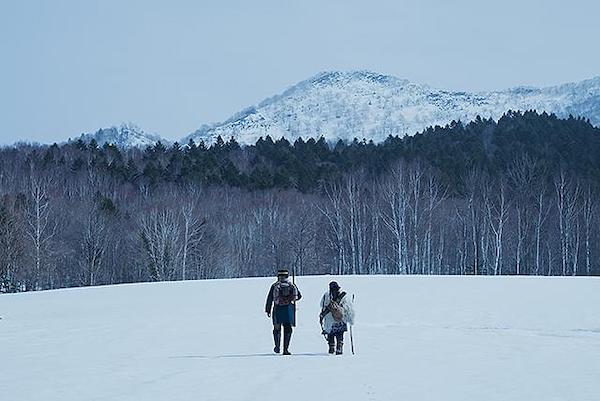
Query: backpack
[283,293]
[336,309]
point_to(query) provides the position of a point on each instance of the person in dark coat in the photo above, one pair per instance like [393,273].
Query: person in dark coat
[281,307]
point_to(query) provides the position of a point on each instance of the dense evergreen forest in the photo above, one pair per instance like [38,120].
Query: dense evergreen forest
[516,196]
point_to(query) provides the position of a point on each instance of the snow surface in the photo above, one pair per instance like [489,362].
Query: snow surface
[417,338]
[365,104]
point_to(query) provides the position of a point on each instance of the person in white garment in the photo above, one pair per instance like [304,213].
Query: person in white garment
[337,312]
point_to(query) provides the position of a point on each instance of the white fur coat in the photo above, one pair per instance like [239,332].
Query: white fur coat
[346,305]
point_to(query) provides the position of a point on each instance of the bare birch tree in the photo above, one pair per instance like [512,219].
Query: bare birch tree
[395,194]
[192,235]
[332,210]
[40,227]
[567,199]
[93,246]
[160,234]
[590,205]
[497,210]
[522,175]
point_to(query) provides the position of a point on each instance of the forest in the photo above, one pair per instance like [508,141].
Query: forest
[517,196]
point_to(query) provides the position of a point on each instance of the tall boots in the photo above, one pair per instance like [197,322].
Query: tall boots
[277,340]
[287,336]
[331,343]
[331,340]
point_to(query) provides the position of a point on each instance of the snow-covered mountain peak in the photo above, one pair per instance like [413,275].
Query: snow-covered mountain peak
[341,78]
[366,104]
[126,135]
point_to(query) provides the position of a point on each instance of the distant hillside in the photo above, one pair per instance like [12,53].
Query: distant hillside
[363,104]
[124,136]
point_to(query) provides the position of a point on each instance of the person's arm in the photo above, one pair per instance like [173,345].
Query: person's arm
[324,302]
[323,308]
[269,303]
[298,293]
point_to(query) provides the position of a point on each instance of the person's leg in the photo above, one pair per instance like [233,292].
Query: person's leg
[287,336]
[277,338]
[340,343]
[331,342]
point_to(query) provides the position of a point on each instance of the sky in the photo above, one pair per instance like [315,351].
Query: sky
[73,66]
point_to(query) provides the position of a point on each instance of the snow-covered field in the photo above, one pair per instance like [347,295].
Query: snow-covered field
[416,338]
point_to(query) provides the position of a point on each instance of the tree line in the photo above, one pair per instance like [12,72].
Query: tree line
[516,196]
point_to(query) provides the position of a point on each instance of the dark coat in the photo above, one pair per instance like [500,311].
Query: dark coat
[281,314]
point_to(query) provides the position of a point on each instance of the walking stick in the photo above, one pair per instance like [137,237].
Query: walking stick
[351,336]
[295,289]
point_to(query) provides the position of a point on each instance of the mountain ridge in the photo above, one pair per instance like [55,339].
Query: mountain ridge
[126,135]
[366,104]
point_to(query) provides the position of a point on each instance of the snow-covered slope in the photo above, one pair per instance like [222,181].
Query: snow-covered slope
[124,136]
[364,104]
[417,338]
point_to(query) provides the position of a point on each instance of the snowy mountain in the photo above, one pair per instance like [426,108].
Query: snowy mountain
[125,136]
[416,338]
[368,105]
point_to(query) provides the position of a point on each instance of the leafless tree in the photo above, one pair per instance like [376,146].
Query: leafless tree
[11,247]
[473,189]
[567,199]
[396,198]
[436,195]
[40,227]
[160,234]
[497,209]
[93,246]
[193,233]
[332,210]
[590,206]
[303,237]
[543,208]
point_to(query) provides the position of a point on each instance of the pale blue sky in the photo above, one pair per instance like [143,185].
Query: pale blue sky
[72,66]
